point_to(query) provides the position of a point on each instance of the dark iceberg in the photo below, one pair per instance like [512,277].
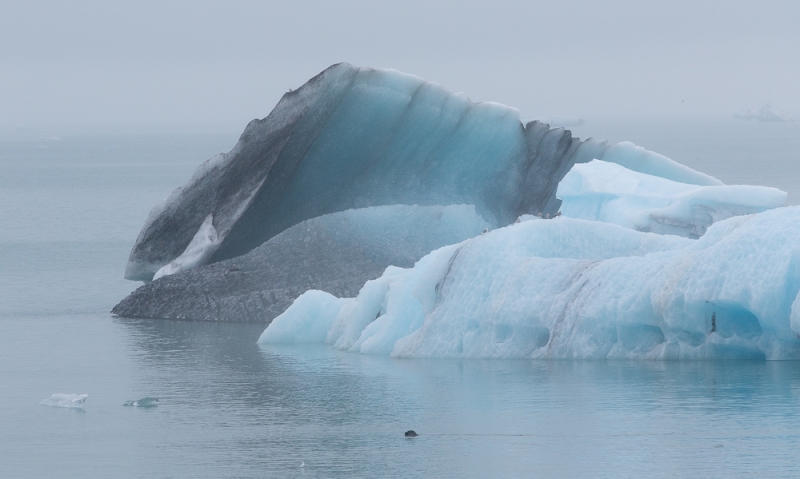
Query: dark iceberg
[349,138]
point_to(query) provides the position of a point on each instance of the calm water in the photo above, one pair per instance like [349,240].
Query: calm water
[71,209]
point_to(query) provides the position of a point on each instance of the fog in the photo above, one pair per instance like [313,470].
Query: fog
[203,64]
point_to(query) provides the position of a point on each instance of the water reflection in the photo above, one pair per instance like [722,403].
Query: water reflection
[266,409]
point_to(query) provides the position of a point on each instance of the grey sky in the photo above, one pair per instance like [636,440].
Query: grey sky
[202,63]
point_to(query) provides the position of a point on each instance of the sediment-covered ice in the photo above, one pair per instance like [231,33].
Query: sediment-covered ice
[603,191]
[570,288]
[65,400]
[336,253]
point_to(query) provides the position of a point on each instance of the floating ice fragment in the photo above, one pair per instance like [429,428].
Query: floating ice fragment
[144,402]
[65,400]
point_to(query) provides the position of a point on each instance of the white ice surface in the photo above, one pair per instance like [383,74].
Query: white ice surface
[203,245]
[608,192]
[569,288]
[65,400]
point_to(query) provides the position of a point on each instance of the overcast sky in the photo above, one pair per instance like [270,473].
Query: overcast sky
[93,64]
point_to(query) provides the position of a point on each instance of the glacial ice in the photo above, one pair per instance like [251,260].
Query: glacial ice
[570,288]
[353,138]
[65,400]
[336,253]
[359,173]
[602,191]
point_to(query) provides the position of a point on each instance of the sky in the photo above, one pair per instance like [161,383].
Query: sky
[208,64]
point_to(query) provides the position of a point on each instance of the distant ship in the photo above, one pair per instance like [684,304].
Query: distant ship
[765,115]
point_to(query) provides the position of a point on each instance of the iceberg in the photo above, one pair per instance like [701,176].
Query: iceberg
[360,169]
[602,191]
[571,288]
[353,138]
[65,400]
[336,253]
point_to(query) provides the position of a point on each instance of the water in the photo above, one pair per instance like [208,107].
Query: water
[229,408]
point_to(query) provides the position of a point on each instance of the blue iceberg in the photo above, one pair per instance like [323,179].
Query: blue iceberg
[393,217]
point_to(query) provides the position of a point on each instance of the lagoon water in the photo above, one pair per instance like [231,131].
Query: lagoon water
[72,206]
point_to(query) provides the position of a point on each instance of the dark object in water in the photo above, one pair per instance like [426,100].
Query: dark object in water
[144,402]
[411,433]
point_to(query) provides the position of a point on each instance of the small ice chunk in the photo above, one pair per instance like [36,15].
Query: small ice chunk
[65,400]
[144,402]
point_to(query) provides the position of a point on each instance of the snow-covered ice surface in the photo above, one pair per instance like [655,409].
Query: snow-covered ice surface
[569,288]
[65,400]
[603,191]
